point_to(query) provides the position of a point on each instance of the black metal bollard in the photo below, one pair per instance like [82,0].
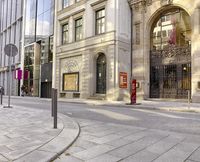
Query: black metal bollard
[54,107]
[1,98]
[52,101]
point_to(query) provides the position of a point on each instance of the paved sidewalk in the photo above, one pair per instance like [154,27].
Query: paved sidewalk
[107,142]
[27,135]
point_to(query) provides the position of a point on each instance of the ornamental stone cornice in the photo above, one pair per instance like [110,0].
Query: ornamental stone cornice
[137,4]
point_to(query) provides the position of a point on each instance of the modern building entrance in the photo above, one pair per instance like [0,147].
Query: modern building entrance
[170,55]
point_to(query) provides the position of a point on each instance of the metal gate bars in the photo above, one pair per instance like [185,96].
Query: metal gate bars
[170,72]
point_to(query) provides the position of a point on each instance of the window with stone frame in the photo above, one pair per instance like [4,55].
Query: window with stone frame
[65,33]
[78,29]
[137,33]
[65,3]
[100,21]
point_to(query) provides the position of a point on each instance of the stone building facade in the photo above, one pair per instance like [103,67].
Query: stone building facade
[93,49]
[166,51]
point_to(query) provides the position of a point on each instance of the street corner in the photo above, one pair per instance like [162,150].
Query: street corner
[57,145]
[28,134]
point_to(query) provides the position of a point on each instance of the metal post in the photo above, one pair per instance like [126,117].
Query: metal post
[11,51]
[55,108]
[52,101]
[189,99]
[9,81]
[1,98]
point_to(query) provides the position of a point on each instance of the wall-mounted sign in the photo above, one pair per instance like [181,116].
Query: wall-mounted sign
[123,80]
[71,82]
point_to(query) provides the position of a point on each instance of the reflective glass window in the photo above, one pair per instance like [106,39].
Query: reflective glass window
[171,29]
[100,21]
[78,29]
[65,3]
[65,33]
[30,22]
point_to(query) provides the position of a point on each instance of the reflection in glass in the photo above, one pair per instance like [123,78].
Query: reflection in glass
[100,21]
[171,29]
[65,33]
[65,3]
[38,26]
[30,21]
[78,29]
[28,66]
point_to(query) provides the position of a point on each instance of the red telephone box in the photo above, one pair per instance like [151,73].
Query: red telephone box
[133,92]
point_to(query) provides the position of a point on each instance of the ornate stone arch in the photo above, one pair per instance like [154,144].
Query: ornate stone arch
[170,52]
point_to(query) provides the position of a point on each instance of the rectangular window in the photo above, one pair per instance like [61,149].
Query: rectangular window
[78,29]
[100,21]
[71,82]
[65,3]
[137,32]
[65,33]
[164,33]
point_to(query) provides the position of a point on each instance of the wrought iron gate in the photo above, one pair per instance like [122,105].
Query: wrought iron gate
[170,72]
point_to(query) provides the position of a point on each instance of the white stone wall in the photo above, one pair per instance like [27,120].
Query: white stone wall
[114,43]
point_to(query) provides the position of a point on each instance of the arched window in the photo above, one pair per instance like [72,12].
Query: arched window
[101,74]
[171,28]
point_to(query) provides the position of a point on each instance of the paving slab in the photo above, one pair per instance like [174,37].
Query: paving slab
[195,155]
[67,158]
[27,135]
[143,156]
[140,145]
[104,158]
[179,153]
[93,152]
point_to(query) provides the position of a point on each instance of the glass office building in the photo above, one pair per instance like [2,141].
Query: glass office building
[11,18]
[38,47]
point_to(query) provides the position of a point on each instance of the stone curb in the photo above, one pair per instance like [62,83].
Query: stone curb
[51,150]
[147,107]
[64,134]
[140,106]
[137,106]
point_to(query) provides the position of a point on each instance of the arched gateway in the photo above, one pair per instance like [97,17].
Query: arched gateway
[170,55]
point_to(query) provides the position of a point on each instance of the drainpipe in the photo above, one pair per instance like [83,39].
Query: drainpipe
[115,49]
[143,41]
[131,56]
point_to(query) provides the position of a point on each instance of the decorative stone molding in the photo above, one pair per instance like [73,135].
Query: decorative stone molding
[137,33]
[149,2]
[71,66]
[166,2]
[101,2]
[138,5]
